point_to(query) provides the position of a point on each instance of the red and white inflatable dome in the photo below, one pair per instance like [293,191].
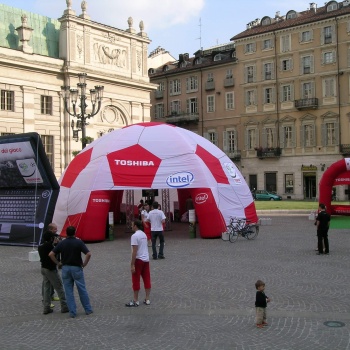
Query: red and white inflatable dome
[151,156]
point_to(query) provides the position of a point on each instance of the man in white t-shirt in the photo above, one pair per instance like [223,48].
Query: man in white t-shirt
[139,264]
[157,218]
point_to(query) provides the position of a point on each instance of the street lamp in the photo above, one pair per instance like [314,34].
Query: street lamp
[73,95]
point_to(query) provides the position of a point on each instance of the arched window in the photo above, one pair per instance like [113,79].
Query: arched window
[165,68]
[151,71]
[291,14]
[218,57]
[266,21]
[331,6]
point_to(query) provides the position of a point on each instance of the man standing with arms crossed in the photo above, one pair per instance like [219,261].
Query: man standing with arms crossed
[157,218]
[72,269]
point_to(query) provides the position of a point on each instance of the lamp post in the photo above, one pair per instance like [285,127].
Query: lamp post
[74,95]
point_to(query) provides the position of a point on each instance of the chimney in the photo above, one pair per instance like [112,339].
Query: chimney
[313,7]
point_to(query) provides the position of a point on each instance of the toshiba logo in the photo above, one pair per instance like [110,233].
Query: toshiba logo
[201,198]
[133,162]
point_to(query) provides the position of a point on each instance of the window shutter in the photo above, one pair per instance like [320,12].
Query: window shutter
[301,69]
[273,70]
[312,89]
[292,92]
[333,32]
[293,136]
[246,71]
[188,106]
[291,63]
[324,134]
[254,47]
[246,139]
[256,138]
[311,64]
[206,135]
[302,131]
[282,139]
[171,107]
[254,73]
[273,95]
[224,141]
[322,36]
[264,138]
[336,133]
[314,135]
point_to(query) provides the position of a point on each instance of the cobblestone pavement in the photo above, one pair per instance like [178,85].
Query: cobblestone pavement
[202,296]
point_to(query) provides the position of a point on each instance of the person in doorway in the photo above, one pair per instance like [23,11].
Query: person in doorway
[139,264]
[146,224]
[322,223]
[51,277]
[157,218]
[72,270]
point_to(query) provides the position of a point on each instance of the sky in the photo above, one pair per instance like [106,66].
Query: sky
[178,26]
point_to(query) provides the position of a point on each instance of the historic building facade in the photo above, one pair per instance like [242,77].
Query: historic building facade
[38,55]
[286,117]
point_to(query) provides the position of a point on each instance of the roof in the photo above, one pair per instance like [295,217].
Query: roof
[304,17]
[45,36]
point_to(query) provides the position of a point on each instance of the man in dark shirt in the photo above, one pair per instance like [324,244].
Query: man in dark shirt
[51,277]
[72,269]
[322,221]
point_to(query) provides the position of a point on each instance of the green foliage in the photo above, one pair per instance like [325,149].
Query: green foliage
[289,204]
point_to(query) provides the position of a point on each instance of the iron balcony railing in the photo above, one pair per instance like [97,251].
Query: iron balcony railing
[306,103]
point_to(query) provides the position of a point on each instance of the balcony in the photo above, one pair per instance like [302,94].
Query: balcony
[182,118]
[306,103]
[268,152]
[159,94]
[229,81]
[234,155]
[345,150]
[210,85]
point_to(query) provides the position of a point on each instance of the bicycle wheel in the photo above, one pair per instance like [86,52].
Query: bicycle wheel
[252,231]
[233,235]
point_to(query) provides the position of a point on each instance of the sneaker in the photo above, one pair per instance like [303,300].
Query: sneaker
[55,299]
[88,312]
[161,257]
[64,310]
[155,258]
[264,324]
[52,306]
[259,326]
[147,302]
[48,311]
[132,303]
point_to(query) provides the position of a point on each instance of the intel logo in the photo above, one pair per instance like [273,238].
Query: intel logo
[201,198]
[180,179]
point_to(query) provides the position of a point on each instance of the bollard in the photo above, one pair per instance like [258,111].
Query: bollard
[111,233]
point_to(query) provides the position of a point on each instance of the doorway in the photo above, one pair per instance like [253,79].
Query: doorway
[309,185]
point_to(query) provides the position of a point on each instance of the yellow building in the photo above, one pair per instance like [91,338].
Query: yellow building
[38,55]
[289,115]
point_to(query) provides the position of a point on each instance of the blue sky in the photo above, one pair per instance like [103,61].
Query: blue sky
[173,25]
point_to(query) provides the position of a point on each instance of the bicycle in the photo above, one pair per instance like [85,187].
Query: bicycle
[241,227]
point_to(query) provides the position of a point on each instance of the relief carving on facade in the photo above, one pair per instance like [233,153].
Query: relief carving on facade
[111,37]
[112,115]
[110,55]
[80,44]
[139,59]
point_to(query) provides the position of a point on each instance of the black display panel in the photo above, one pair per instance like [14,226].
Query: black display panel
[28,189]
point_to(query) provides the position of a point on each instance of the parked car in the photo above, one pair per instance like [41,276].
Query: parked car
[263,195]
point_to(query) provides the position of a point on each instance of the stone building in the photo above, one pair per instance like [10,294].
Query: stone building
[38,55]
[286,117]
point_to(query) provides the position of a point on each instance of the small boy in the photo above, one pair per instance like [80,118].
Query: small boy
[261,304]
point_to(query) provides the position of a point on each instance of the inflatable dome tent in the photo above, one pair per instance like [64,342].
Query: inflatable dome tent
[151,156]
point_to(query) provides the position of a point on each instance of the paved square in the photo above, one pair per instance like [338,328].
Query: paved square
[202,295]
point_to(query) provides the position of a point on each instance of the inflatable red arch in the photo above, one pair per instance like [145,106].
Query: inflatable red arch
[337,174]
[151,156]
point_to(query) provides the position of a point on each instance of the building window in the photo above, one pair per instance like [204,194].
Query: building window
[328,57]
[159,111]
[271,182]
[46,105]
[192,106]
[287,64]
[249,74]
[289,183]
[287,137]
[285,43]
[175,107]
[48,144]
[210,77]
[252,139]
[250,47]
[268,71]
[267,44]
[291,14]
[191,84]
[229,74]
[230,103]
[286,93]
[229,141]
[306,36]
[308,135]
[211,136]
[327,35]
[307,64]
[210,103]
[268,95]
[175,87]
[332,6]
[330,132]
[7,100]
[161,86]
[250,98]
[329,87]
[307,90]
[269,137]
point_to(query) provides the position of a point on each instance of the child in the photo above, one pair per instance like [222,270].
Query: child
[260,304]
